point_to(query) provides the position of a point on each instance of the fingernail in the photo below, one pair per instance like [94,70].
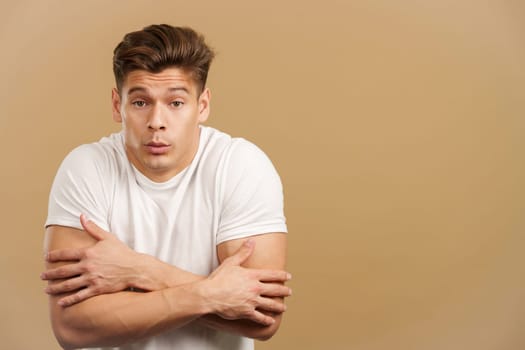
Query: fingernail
[289,276]
[46,256]
[290,292]
[63,303]
[42,276]
[84,217]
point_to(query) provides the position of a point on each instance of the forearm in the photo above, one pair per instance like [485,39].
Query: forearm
[157,275]
[101,313]
[124,317]
[154,274]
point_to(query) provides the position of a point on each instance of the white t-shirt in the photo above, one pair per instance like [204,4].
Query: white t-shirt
[230,190]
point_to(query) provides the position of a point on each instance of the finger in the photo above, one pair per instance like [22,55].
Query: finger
[79,296]
[61,272]
[93,229]
[261,318]
[273,275]
[65,255]
[242,253]
[275,290]
[66,286]
[271,305]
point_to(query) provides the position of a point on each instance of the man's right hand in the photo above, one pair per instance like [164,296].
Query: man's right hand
[235,292]
[108,266]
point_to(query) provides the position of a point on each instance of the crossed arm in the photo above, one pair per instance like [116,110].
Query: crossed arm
[91,273]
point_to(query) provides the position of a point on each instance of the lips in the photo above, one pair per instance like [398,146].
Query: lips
[157,147]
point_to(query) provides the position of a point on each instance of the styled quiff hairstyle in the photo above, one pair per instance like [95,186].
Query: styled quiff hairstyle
[158,47]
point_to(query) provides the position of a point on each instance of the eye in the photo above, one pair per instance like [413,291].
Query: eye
[177,103]
[139,103]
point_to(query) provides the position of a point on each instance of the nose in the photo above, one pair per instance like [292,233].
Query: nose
[156,119]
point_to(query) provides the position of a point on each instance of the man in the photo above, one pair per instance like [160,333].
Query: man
[169,234]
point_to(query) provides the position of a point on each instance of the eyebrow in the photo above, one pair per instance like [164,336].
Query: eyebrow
[172,89]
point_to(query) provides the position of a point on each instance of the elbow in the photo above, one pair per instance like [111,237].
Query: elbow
[265,337]
[68,336]
[71,338]
[66,339]
[266,333]
[66,345]
[75,329]
[65,325]
[69,333]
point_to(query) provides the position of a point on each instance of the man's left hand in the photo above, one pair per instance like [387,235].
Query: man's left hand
[109,266]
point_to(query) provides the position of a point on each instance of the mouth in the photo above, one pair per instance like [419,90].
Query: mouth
[157,148]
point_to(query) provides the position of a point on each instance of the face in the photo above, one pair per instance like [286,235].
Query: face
[160,115]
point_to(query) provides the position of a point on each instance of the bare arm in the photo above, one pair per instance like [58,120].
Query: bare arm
[102,264]
[116,318]
[110,318]
[270,253]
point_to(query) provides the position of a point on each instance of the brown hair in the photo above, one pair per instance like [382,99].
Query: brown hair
[158,47]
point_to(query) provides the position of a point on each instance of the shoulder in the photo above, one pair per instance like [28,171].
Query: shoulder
[247,159]
[230,147]
[85,183]
[214,142]
[247,152]
[251,193]
[97,156]
[232,156]
[247,169]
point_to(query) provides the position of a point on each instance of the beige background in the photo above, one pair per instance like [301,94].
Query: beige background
[397,128]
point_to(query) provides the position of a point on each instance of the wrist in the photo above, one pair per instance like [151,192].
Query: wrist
[153,274]
[194,298]
[203,290]
[148,273]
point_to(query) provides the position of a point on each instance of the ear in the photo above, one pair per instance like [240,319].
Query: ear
[204,105]
[115,105]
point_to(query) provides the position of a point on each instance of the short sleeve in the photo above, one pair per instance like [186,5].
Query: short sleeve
[252,194]
[79,188]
